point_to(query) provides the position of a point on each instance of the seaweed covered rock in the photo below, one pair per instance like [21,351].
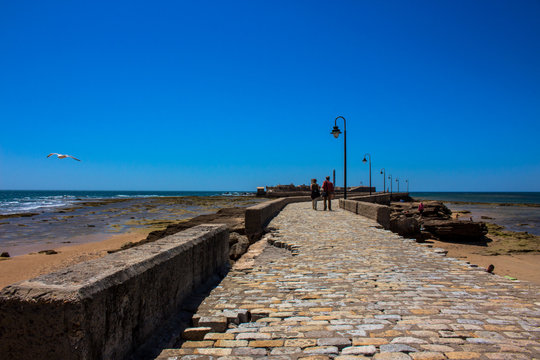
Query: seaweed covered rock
[456,230]
[435,222]
[404,226]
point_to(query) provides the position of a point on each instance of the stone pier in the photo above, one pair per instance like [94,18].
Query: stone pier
[337,285]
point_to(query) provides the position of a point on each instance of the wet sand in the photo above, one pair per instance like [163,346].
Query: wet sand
[28,266]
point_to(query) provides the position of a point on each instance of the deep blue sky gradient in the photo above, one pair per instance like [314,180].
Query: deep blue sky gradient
[170,95]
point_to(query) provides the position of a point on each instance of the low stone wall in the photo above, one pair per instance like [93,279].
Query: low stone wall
[381,198]
[259,215]
[379,213]
[107,307]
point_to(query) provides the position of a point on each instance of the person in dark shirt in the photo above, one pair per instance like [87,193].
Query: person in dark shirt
[328,193]
[315,193]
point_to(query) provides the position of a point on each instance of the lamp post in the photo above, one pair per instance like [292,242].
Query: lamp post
[335,131]
[364,161]
[407,181]
[397,180]
[383,171]
[390,178]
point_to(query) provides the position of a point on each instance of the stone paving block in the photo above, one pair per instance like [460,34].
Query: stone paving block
[253,336]
[265,343]
[460,355]
[197,333]
[248,351]
[407,340]
[321,350]
[285,351]
[427,355]
[397,348]
[216,323]
[197,344]
[359,350]
[213,351]
[219,336]
[301,343]
[231,343]
[339,342]
[391,356]
[369,341]
[507,356]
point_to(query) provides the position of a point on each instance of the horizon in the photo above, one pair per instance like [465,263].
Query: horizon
[254,191]
[244,94]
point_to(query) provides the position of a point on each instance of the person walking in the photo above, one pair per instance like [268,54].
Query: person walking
[328,193]
[315,193]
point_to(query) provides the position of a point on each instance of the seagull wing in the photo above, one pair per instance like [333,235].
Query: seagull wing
[52,154]
[74,158]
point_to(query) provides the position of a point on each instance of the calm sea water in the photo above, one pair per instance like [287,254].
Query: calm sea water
[482,197]
[24,201]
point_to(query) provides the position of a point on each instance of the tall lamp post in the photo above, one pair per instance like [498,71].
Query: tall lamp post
[364,161]
[407,181]
[397,180]
[383,171]
[390,178]
[335,131]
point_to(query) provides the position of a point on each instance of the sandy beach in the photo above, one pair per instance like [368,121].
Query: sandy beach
[522,266]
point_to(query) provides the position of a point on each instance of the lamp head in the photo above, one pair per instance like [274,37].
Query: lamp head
[364,160]
[335,131]
[381,172]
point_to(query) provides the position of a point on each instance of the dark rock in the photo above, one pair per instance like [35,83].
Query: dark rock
[456,230]
[485,217]
[47,252]
[404,226]
[4,254]
[238,245]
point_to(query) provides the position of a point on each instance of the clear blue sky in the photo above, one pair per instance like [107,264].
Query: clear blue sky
[230,95]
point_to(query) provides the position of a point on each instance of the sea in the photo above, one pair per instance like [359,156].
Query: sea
[482,197]
[40,220]
[27,201]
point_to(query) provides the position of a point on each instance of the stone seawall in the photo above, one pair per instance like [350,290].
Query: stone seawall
[379,213]
[380,198]
[259,215]
[108,307]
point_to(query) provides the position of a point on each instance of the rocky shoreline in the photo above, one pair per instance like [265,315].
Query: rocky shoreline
[435,222]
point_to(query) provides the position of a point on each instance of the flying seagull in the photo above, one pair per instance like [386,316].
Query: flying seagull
[62,156]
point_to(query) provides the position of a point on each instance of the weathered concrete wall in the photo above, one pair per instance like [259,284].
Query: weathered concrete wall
[379,213]
[259,215]
[106,308]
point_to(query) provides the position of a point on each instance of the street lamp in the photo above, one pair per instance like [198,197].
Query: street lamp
[397,180]
[335,131]
[407,181]
[390,178]
[364,161]
[383,171]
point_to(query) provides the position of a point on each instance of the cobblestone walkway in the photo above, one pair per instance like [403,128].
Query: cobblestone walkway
[355,291]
